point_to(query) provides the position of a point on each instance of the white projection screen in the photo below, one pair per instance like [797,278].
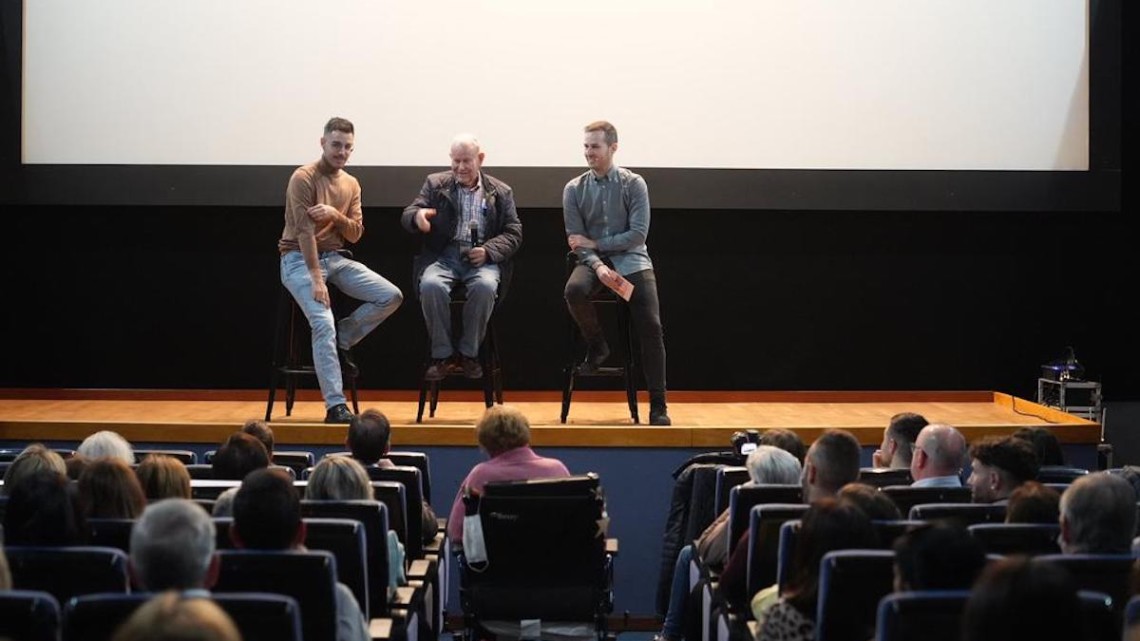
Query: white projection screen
[733,84]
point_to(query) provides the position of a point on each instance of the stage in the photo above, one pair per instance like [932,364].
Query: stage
[597,419]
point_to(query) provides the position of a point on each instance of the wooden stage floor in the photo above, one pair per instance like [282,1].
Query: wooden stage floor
[597,419]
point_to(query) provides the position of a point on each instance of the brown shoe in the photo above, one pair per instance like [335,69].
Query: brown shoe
[437,370]
[472,368]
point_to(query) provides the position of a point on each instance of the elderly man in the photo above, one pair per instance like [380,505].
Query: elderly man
[172,547]
[938,454]
[899,437]
[1098,515]
[999,466]
[470,231]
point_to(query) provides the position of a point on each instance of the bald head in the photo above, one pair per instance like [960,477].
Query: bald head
[939,450]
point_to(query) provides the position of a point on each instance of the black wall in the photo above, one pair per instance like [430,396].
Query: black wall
[183,297]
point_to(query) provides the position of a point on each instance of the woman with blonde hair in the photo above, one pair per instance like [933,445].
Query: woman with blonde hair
[339,478]
[163,477]
[35,457]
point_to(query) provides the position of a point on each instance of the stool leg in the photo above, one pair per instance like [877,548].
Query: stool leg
[567,390]
[626,331]
[352,387]
[275,364]
[434,399]
[423,397]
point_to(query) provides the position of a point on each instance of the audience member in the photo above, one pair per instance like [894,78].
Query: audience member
[786,440]
[238,456]
[224,504]
[369,440]
[899,437]
[339,478]
[267,516]
[766,465]
[1098,515]
[1045,443]
[109,489]
[1017,599]
[938,456]
[504,434]
[1000,465]
[106,444]
[41,511]
[34,458]
[171,616]
[829,525]
[1033,502]
[938,556]
[75,465]
[876,505]
[261,431]
[5,573]
[172,547]
[163,477]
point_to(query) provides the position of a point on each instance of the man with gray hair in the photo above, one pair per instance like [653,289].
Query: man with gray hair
[470,230]
[938,454]
[1098,515]
[172,547]
[106,444]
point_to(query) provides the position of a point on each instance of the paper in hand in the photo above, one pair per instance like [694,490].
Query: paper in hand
[622,287]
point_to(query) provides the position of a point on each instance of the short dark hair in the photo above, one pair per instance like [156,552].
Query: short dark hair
[261,431]
[41,511]
[904,427]
[267,510]
[1033,502]
[369,434]
[877,506]
[339,124]
[836,459]
[786,440]
[238,456]
[1014,456]
[605,127]
[1044,442]
[938,556]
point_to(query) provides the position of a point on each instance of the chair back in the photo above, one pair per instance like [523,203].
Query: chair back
[185,456]
[1059,474]
[964,513]
[309,577]
[929,615]
[1101,616]
[702,498]
[545,544]
[394,496]
[742,498]
[412,481]
[728,477]
[1107,573]
[65,572]
[200,471]
[344,538]
[1030,539]
[417,460]
[906,496]
[889,531]
[297,460]
[374,516]
[96,617]
[884,476]
[263,617]
[764,527]
[209,488]
[111,533]
[851,583]
[29,615]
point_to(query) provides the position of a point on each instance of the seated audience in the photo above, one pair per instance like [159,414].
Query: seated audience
[504,434]
[75,466]
[786,440]
[876,505]
[829,525]
[41,511]
[1045,443]
[939,452]
[1033,502]
[172,548]
[1017,599]
[106,444]
[224,504]
[238,456]
[937,556]
[369,440]
[267,516]
[171,616]
[163,477]
[5,573]
[1000,465]
[338,478]
[109,489]
[766,465]
[899,437]
[1098,515]
[34,458]
[261,431]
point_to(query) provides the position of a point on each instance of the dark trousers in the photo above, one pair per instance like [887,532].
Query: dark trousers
[644,311]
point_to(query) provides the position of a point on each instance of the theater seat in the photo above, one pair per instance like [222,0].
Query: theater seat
[258,616]
[933,615]
[1017,538]
[964,513]
[309,577]
[65,572]
[29,615]
[851,583]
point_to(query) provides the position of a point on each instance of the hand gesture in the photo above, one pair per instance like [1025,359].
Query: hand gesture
[321,292]
[322,214]
[578,241]
[423,219]
[608,276]
[477,256]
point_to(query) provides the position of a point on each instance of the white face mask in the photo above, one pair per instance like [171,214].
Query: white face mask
[473,546]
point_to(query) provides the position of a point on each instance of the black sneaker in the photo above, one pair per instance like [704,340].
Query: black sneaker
[658,415]
[472,368]
[437,370]
[338,414]
[596,354]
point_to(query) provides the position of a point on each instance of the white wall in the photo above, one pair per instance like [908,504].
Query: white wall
[853,84]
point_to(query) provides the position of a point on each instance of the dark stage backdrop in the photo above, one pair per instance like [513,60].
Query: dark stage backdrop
[183,297]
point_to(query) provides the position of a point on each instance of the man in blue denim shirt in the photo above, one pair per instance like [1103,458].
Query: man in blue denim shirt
[322,212]
[606,214]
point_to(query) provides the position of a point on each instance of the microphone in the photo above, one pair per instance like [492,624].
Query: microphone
[474,227]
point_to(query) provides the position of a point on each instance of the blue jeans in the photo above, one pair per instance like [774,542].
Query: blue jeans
[674,625]
[436,283]
[380,298]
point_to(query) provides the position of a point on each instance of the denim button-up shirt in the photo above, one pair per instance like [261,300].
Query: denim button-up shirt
[613,211]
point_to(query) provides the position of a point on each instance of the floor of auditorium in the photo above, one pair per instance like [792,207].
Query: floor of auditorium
[596,419]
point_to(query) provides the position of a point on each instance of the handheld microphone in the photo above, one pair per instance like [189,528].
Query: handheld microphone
[474,227]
